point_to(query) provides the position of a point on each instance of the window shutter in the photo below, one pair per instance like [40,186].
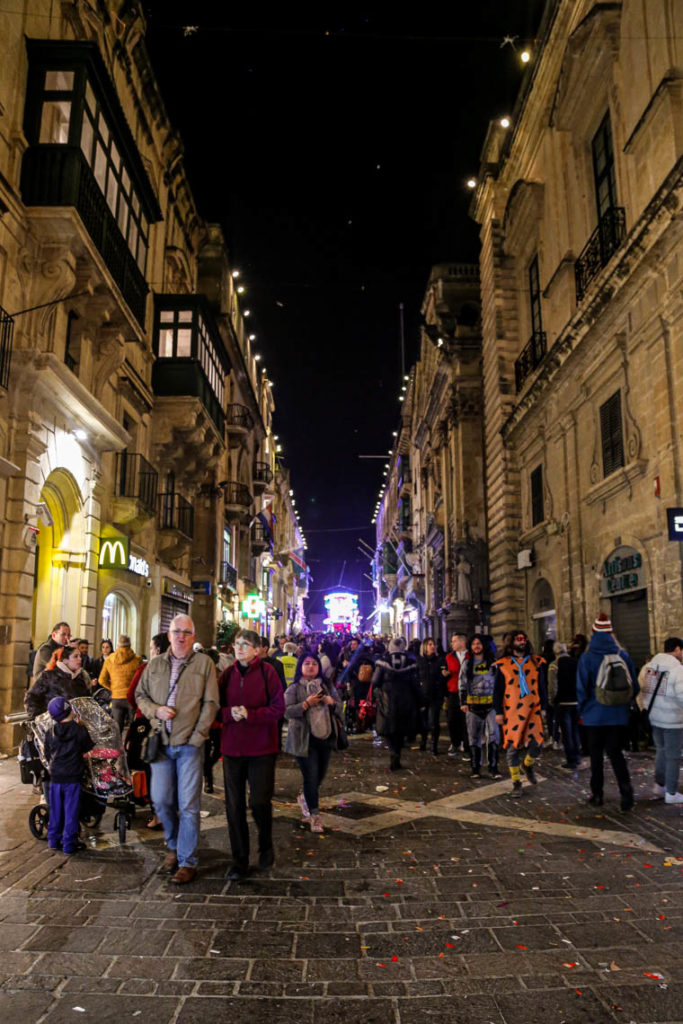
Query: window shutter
[536,481]
[612,434]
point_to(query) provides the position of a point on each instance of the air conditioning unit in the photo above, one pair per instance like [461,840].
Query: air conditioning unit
[525,558]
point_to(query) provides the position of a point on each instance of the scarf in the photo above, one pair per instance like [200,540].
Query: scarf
[524,690]
[318,715]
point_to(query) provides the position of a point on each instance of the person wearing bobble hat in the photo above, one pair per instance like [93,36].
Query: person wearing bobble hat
[605,723]
[64,750]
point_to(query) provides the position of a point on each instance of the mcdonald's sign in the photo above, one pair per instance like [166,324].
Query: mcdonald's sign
[114,553]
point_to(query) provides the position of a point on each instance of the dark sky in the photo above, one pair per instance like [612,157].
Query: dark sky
[336,165]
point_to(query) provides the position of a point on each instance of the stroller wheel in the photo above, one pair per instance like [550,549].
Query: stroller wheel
[91,819]
[37,821]
[120,824]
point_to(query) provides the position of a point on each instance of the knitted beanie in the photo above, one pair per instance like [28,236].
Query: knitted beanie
[602,624]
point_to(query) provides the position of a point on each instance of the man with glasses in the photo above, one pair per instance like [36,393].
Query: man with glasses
[178,693]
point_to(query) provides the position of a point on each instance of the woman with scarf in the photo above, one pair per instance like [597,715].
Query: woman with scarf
[309,704]
[520,698]
[63,677]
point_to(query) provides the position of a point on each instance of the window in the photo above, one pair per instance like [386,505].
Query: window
[536,482]
[175,341]
[535,297]
[227,545]
[611,434]
[603,168]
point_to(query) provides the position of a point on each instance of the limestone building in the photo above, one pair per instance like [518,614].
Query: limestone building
[579,203]
[136,445]
[431,563]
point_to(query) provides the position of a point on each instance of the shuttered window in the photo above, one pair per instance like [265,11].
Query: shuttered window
[536,481]
[612,434]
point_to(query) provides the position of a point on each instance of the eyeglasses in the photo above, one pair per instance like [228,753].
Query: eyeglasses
[243,643]
[182,632]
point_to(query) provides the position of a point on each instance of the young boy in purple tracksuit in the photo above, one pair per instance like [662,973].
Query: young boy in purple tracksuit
[64,750]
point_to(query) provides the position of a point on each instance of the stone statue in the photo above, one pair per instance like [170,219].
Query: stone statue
[463,586]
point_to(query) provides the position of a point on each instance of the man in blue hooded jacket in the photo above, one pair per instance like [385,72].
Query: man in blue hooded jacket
[604,724]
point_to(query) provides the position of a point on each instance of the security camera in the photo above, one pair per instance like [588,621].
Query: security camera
[148,583]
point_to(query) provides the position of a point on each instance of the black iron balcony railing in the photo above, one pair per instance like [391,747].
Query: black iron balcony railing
[600,248]
[228,576]
[57,175]
[238,416]
[532,355]
[260,538]
[6,332]
[137,478]
[262,473]
[237,494]
[176,513]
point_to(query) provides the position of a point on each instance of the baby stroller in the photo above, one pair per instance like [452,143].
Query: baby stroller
[106,779]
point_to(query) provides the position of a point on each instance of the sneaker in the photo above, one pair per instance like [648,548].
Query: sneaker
[569,767]
[301,800]
[494,773]
[673,798]
[658,790]
[475,774]
[317,823]
[76,849]
[452,751]
[530,774]
[517,790]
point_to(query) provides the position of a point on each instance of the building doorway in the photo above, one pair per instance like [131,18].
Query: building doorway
[543,615]
[119,616]
[631,625]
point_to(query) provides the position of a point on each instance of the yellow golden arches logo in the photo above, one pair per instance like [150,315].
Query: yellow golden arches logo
[113,554]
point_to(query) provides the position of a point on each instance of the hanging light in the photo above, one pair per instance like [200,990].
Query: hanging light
[236,273]
[471,183]
[525,56]
[240,289]
[504,122]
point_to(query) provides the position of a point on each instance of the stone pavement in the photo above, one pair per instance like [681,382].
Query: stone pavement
[430,898]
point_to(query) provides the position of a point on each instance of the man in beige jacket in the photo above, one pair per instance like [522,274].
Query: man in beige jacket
[117,674]
[178,693]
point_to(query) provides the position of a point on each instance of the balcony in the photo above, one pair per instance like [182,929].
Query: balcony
[532,355]
[262,477]
[6,332]
[260,538]
[405,485]
[135,495]
[240,423]
[228,576]
[237,500]
[59,175]
[176,514]
[600,248]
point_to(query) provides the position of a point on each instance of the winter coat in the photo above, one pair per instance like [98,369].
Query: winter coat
[591,712]
[667,710]
[298,730]
[43,655]
[432,680]
[562,680]
[395,676]
[196,698]
[259,690]
[54,682]
[65,746]
[454,667]
[118,671]
[276,664]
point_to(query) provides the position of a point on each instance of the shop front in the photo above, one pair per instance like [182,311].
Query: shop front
[124,582]
[176,599]
[624,583]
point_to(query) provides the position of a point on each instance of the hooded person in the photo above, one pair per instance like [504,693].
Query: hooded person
[116,675]
[399,699]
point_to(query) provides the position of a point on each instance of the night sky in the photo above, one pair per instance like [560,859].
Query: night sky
[333,143]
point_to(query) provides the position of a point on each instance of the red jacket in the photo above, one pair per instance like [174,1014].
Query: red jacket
[453,662]
[260,691]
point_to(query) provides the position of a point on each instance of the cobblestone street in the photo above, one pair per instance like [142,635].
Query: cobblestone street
[429,898]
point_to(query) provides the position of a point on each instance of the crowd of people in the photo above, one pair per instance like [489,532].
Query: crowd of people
[202,706]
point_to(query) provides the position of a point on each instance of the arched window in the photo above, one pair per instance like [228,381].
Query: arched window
[118,616]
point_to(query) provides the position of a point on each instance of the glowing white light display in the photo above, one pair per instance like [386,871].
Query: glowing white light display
[342,611]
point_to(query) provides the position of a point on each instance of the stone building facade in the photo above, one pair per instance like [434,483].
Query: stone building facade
[579,204]
[431,563]
[136,447]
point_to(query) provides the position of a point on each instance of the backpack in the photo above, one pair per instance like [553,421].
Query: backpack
[613,683]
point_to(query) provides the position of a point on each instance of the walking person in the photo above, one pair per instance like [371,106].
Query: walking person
[309,703]
[457,724]
[65,746]
[177,692]
[606,724]
[140,727]
[520,697]
[117,674]
[562,698]
[430,670]
[477,685]
[395,676]
[661,697]
[251,701]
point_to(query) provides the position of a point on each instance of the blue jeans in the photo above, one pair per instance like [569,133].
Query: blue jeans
[568,717]
[176,795]
[313,771]
[668,757]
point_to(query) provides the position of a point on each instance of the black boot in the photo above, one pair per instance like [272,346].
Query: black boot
[493,761]
[627,798]
[395,763]
[208,783]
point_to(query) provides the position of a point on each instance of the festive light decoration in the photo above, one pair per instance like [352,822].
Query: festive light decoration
[505,122]
[253,607]
[471,182]
[342,611]
[525,56]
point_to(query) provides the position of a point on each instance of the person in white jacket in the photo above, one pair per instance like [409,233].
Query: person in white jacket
[661,695]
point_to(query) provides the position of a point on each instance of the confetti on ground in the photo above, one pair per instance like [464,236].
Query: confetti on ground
[572,964]
[655,975]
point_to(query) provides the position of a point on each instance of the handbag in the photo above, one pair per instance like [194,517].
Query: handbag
[365,672]
[151,747]
[341,740]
